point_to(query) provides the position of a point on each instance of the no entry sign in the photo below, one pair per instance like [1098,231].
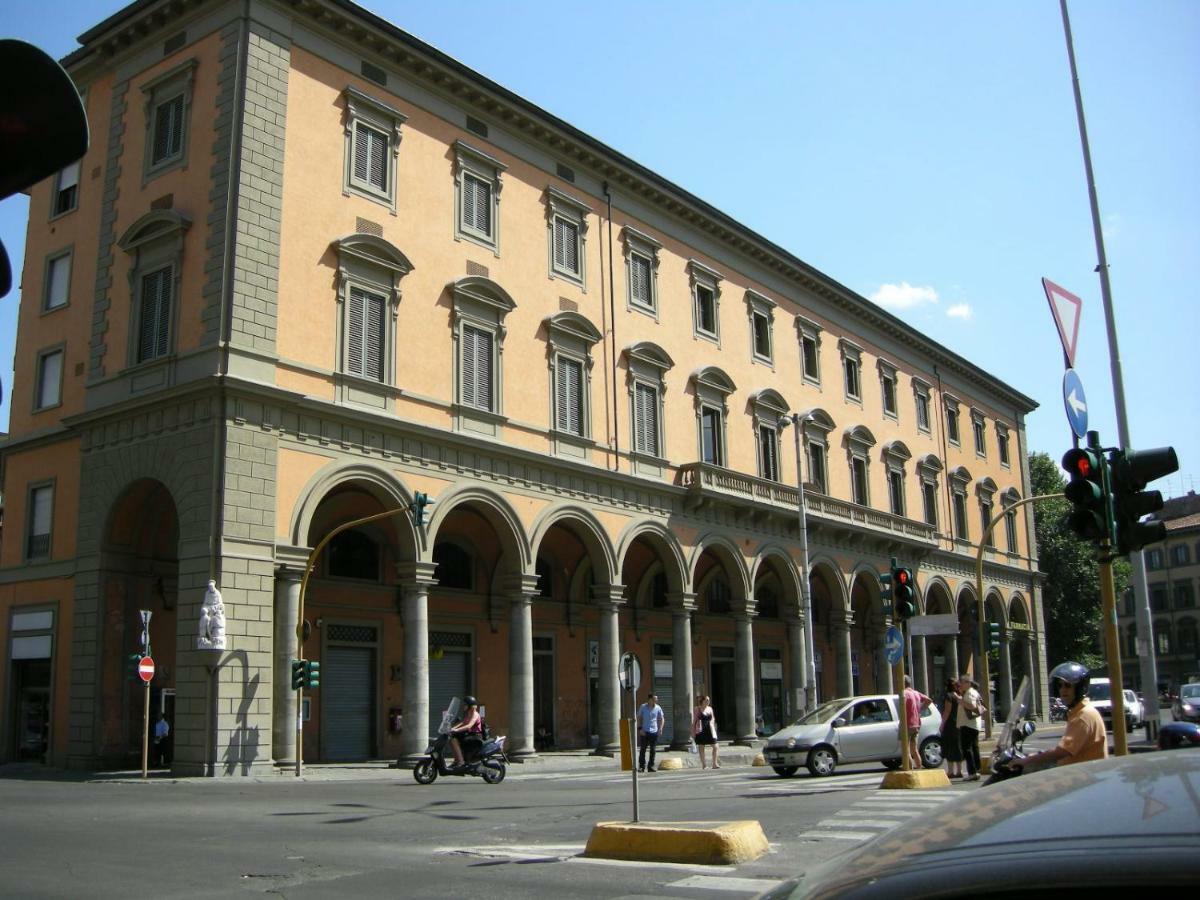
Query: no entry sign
[146,669]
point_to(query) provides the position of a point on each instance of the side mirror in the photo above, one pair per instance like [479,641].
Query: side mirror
[838,722]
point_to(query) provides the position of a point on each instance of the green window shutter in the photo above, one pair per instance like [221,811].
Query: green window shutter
[646,413]
[154,327]
[477,368]
[354,332]
[373,343]
[566,245]
[168,130]
[569,390]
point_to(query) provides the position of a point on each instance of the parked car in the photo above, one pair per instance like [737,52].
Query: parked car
[1100,695]
[851,730]
[1186,707]
[1123,826]
[1175,735]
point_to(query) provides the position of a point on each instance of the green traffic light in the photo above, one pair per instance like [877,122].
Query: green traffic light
[312,673]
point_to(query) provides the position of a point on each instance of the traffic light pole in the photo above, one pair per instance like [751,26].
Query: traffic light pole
[308,567]
[1112,641]
[985,675]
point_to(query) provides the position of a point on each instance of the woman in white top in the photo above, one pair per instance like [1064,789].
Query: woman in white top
[970,723]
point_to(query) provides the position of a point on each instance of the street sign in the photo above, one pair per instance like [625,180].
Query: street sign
[942,623]
[1075,402]
[146,669]
[1066,308]
[894,645]
[630,672]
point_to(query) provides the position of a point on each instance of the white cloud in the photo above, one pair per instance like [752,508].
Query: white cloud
[959,311]
[1111,226]
[903,295]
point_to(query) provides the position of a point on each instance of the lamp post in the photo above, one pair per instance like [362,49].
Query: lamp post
[810,674]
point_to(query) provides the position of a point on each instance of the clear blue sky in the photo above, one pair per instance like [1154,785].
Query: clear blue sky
[925,154]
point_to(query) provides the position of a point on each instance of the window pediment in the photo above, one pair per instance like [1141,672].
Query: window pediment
[158,223]
[897,451]
[819,420]
[376,251]
[573,326]
[482,291]
[714,379]
[860,437]
[650,354]
[929,463]
[771,399]
[960,476]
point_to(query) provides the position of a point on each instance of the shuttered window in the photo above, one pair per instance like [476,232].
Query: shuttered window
[639,280]
[645,425]
[66,194]
[710,436]
[477,352]
[364,340]
[168,130]
[476,204]
[768,452]
[566,245]
[370,157]
[569,396]
[154,326]
[41,504]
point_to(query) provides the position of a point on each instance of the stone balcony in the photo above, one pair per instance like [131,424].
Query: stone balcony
[759,498]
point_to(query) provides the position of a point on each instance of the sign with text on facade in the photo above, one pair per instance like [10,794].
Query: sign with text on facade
[772,671]
[944,623]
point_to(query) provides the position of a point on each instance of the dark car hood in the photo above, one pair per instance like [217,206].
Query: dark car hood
[1098,822]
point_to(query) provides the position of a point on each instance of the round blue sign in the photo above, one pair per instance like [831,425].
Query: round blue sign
[894,644]
[1075,402]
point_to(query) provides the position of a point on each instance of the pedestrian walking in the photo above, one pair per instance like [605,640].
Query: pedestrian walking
[914,702]
[704,730]
[650,725]
[162,741]
[970,723]
[951,743]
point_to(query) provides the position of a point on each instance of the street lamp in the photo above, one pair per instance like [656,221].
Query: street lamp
[810,674]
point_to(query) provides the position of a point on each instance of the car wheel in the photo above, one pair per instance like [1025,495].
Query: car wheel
[822,760]
[785,771]
[931,752]
[425,772]
[892,764]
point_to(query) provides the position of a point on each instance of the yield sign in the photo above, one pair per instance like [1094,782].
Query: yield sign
[1066,308]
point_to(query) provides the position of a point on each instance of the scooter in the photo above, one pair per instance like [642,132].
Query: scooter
[1017,729]
[488,762]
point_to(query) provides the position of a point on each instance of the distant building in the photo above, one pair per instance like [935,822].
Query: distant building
[1173,580]
[312,268]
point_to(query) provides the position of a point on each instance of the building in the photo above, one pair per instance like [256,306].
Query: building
[312,271]
[1172,578]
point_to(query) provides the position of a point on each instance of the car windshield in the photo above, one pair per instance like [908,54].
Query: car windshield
[823,713]
[1190,692]
[1098,692]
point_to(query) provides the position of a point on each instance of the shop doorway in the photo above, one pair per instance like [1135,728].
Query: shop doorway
[724,692]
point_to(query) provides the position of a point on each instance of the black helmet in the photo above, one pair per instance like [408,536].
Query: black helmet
[1070,673]
[469,701]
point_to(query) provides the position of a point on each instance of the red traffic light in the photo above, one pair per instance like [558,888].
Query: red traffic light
[902,576]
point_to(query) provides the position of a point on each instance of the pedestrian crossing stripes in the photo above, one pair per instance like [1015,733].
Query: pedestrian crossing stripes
[874,814]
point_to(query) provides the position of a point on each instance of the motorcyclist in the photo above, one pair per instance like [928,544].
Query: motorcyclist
[1084,738]
[470,726]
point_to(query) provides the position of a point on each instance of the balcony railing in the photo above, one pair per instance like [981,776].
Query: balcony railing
[713,482]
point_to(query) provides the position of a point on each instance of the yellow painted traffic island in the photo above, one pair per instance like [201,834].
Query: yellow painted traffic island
[702,843]
[759,760]
[916,779]
[669,763]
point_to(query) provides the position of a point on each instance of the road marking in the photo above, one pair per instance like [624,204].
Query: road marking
[725,883]
[839,835]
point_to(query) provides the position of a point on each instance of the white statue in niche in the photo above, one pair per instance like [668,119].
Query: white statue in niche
[212,620]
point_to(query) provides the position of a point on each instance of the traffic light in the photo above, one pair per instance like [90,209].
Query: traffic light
[297,674]
[418,506]
[885,591]
[312,673]
[1087,490]
[993,635]
[132,661]
[1130,471]
[904,595]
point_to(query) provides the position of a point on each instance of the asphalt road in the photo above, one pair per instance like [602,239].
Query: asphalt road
[383,835]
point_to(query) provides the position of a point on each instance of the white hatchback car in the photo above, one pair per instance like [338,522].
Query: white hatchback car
[851,730]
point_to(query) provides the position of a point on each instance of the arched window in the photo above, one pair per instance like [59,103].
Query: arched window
[767,601]
[455,566]
[545,586]
[718,597]
[353,554]
[658,591]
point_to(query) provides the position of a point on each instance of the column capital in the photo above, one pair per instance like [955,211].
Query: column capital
[291,559]
[519,585]
[681,602]
[843,621]
[415,572]
[609,594]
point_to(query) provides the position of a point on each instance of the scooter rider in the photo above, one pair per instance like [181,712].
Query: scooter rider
[1085,738]
[470,727]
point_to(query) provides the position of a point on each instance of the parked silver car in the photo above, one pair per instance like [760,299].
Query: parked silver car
[851,730]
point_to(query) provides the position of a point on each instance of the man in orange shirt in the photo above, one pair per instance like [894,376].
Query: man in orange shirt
[1085,738]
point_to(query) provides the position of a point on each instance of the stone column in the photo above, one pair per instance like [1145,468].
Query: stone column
[520,672]
[841,641]
[287,646]
[681,669]
[1006,685]
[609,601]
[798,665]
[743,678]
[920,664]
[883,667]
[950,648]
[416,579]
[1029,671]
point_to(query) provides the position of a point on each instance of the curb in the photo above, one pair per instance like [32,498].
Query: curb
[701,843]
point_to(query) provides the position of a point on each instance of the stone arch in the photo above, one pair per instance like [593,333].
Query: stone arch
[665,543]
[730,557]
[774,556]
[1018,609]
[584,524]
[499,513]
[374,480]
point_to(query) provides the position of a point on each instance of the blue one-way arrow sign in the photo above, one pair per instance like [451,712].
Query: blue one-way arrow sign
[1075,401]
[894,645]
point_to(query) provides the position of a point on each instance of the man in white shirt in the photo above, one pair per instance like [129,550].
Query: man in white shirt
[162,732]
[650,726]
